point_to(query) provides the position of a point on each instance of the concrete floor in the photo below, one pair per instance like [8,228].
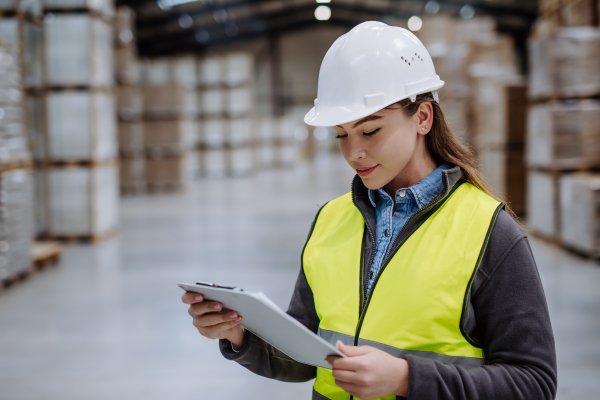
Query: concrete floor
[108,323]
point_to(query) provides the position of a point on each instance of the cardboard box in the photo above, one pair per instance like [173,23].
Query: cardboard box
[169,102]
[238,69]
[133,175]
[131,139]
[241,161]
[212,102]
[241,132]
[129,103]
[165,174]
[168,138]
[127,68]
[210,71]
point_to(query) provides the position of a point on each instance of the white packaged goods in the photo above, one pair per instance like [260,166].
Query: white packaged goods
[540,69]
[79,50]
[541,211]
[40,206]
[83,201]
[239,68]
[580,212]
[266,155]
[156,71]
[240,132]
[129,102]
[241,161]
[104,6]
[131,139]
[492,58]
[576,55]
[133,174]
[564,135]
[168,138]
[265,130]
[193,165]
[451,65]
[505,171]
[215,163]
[35,126]
[32,7]
[214,133]
[239,101]
[124,26]
[16,222]
[127,67]
[166,173]
[168,101]
[212,101]
[81,125]
[23,39]
[184,71]
[211,71]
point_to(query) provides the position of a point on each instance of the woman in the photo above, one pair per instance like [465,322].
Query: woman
[419,274]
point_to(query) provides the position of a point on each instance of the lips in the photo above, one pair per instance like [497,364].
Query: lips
[365,171]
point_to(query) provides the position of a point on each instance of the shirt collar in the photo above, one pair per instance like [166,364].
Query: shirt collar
[423,191]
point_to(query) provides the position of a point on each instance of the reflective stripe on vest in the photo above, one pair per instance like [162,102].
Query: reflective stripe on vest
[417,300]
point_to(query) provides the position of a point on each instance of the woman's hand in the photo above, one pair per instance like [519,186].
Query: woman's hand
[368,373]
[212,321]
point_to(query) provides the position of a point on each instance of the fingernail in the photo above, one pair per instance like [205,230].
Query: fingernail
[232,315]
[198,298]
[216,306]
[238,319]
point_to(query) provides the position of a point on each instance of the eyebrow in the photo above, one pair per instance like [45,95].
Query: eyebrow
[365,119]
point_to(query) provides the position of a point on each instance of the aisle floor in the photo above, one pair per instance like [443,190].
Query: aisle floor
[108,322]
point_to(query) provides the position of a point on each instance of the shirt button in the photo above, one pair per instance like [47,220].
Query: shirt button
[402,193]
[385,233]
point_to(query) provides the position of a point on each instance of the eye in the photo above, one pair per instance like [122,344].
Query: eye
[371,133]
[341,136]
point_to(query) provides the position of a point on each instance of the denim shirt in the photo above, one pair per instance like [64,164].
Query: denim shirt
[408,201]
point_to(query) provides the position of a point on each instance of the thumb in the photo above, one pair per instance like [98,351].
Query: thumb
[352,351]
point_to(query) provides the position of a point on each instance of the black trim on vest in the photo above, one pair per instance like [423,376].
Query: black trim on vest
[468,289]
[312,229]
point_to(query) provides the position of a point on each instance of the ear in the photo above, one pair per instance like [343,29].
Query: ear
[424,117]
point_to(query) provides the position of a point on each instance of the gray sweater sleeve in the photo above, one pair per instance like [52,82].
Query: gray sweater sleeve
[512,325]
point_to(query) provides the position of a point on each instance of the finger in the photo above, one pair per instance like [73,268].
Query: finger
[348,363]
[211,319]
[214,331]
[346,376]
[205,307]
[348,387]
[331,359]
[352,351]
[192,298]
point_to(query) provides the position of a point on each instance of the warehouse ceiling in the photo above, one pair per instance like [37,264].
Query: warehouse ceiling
[183,26]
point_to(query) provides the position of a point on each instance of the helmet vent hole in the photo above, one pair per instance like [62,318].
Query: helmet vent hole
[408,63]
[402,57]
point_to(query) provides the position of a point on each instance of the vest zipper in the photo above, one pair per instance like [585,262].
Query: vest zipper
[395,246]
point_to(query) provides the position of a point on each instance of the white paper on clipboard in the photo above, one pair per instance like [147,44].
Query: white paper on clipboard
[263,318]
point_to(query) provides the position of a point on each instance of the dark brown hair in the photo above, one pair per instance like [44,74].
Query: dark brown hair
[443,145]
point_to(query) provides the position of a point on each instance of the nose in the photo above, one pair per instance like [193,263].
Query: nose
[355,149]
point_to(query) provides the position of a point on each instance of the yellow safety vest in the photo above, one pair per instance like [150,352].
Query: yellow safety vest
[418,298]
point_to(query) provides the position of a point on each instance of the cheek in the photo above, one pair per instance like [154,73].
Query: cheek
[397,148]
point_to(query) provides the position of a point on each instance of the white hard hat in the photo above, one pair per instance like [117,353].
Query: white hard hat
[369,68]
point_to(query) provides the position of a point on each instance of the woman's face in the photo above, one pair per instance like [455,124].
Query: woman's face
[380,146]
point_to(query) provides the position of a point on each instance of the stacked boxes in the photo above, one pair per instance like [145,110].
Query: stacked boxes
[563,134]
[80,175]
[16,189]
[227,124]
[170,112]
[129,104]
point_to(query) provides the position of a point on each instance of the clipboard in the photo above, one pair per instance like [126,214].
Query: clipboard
[263,318]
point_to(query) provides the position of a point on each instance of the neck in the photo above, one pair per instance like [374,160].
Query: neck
[418,167]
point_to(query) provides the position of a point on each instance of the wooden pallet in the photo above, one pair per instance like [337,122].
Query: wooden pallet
[82,239]
[45,254]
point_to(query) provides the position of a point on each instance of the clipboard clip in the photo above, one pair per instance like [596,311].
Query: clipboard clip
[219,286]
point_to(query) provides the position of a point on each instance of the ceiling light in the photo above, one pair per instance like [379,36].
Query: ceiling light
[202,35]
[323,1]
[322,13]
[415,23]
[185,21]
[432,7]
[167,4]
[467,11]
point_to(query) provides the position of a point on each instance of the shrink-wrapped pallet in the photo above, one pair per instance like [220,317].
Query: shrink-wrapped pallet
[156,71]
[184,71]
[451,65]
[576,57]
[212,102]
[266,155]
[438,33]
[210,71]
[540,68]
[541,203]
[499,114]
[239,101]
[40,203]
[131,139]
[166,174]
[238,69]
[124,26]
[564,135]
[214,133]
[505,172]
[265,130]
[31,7]
[169,102]
[16,222]
[241,161]
[133,175]
[79,50]
[36,127]
[81,125]
[241,132]
[127,68]
[495,58]
[129,103]
[215,162]
[580,212]
[169,137]
[83,201]
[23,40]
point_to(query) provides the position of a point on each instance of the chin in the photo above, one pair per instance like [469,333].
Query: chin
[372,182]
